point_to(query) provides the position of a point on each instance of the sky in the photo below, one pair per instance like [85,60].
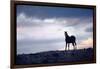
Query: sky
[41,28]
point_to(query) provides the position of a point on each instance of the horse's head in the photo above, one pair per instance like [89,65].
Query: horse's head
[66,34]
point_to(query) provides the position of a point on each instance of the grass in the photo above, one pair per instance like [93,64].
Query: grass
[55,57]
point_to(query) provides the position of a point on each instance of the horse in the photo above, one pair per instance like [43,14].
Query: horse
[70,39]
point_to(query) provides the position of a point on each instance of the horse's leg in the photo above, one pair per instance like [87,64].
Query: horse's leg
[68,46]
[73,45]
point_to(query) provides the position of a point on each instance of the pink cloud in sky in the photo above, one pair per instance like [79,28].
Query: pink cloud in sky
[86,43]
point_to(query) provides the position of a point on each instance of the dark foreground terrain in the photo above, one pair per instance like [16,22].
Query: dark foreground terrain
[55,57]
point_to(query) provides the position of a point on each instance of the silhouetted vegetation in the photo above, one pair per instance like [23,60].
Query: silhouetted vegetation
[55,57]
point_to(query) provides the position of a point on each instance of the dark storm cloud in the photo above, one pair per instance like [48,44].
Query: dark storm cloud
[41,13]
[24,21]
[46,12]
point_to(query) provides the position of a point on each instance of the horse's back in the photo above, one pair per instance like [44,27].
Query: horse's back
[73,38]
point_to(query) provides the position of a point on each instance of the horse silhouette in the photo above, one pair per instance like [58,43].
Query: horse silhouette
[70,39]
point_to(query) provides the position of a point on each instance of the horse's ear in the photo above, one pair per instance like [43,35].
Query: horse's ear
[66,32]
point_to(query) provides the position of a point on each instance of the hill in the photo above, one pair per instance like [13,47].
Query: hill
[55,57]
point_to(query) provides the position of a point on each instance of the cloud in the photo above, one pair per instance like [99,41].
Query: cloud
[29,24]
[89,29]
[49,12]
[86,43]
[24,20]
